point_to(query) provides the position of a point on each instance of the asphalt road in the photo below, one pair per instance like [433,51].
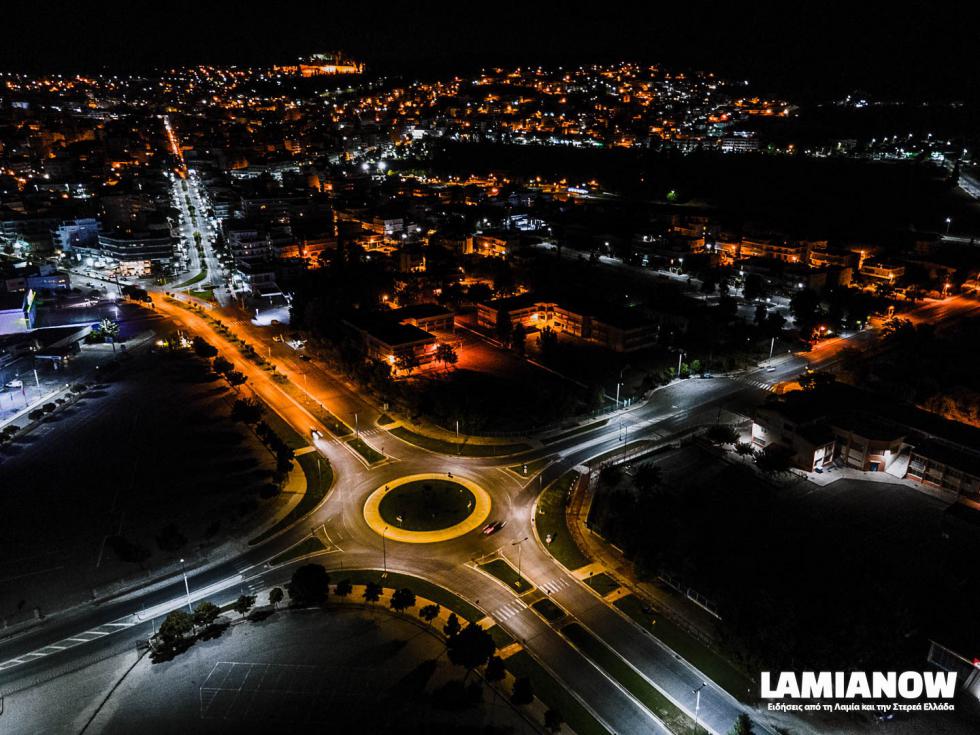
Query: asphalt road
[340,520]
[74,637]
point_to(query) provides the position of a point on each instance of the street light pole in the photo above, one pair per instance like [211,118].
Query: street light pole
[520,547]
[187,587]
[697,704]
[680,356]
[384,552]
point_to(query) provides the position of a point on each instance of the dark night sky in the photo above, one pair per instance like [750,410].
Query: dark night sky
[825,48]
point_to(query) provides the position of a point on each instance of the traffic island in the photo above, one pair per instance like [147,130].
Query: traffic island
[427,508]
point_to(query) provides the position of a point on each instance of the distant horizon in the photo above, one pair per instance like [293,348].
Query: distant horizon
[921,53]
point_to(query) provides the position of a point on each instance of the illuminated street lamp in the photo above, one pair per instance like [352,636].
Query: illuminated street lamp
[697,704]
[187,587]
[520,546]
[384,553]
[949,221]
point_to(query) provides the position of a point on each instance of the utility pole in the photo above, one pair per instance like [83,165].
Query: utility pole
[680,356]
[187,587]
[520,547]
[697,705]
[384,553]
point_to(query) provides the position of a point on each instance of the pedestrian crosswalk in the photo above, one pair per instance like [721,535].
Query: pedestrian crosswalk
[554,585]
[505,612]
[764,385]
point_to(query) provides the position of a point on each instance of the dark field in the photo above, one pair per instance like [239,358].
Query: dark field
[144,469]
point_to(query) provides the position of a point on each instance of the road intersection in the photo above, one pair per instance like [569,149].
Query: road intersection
[677,407]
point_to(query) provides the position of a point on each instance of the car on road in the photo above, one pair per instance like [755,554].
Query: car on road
[14,384]
[770,369]
[492,528]
[316,434]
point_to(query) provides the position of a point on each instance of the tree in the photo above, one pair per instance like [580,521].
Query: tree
[761,312]
[504,327]
[221,366]
[804,306]
[243,604]
[553,720]
[275,596]
[428,613]
[775,459]
[235,378]
[372,592]
[815,381]
[495,670]
[246,410]
[343,588]
[109,328]
[402,599]
[522,693]
[174,627]
[309,585]
[548,341]
[203,348]
[774,324]
[471,647]
[742,726]
[755,287]
[727,308]
[205,613]
[446,354]
[408,361]
[518,338]
[452,627]
[722,434]
[743,448]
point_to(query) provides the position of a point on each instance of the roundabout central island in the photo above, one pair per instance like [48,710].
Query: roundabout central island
[427,508]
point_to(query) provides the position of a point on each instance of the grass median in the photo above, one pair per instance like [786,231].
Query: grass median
[549,610]
[319,477]
[630,679]
[507,574]
[194,279]
[369,453]
[554,694]
[322,414]
[602,583]
[712,664]
[463,449]
[549,520]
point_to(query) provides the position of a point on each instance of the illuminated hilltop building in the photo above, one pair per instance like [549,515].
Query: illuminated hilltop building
[327,64]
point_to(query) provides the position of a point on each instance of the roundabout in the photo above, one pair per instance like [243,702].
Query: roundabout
[427,508]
